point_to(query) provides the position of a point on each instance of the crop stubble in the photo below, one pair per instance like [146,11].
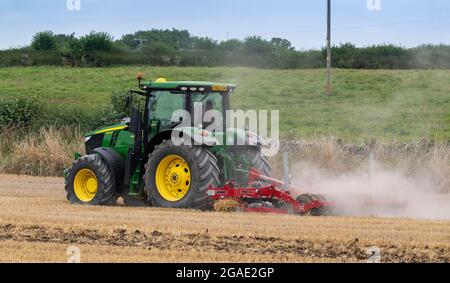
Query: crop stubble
[38,224]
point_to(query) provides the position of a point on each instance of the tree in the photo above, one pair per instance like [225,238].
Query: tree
[159,53]
[231,45]
[174,38]
[256,44]
[44,41]
[96,41]
[159,48]
[281,43]
[204,43]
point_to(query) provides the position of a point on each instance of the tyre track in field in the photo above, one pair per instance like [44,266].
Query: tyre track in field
[204,242]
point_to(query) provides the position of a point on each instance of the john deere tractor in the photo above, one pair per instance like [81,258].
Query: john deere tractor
[139,161]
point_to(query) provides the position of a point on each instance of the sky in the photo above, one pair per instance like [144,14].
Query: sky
[403,22]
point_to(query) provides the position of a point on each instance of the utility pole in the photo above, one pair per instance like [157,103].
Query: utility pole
[141,42]
[328,86]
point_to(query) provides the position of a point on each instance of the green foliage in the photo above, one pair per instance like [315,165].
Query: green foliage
[348,56]
[63,42]
[431,56]
[118,103]
[159,53]
[204,43]
[96,41]
[231,45]
[178,47]
[281,44]
[18,112]
[72,115]
[27,112]
[256,44]
[29,57]
[384,104]
[44,41]
[174,38]
[76,48]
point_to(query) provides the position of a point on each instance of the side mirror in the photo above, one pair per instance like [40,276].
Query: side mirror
[128,101]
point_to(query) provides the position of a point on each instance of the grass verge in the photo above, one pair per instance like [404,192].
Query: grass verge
[50,150]
[389,105]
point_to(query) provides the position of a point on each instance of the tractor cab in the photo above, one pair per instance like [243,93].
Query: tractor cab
[196,98]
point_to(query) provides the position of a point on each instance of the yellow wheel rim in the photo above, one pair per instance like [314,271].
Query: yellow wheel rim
[173,177]
[85,185]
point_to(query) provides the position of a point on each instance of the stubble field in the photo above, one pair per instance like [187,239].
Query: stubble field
[37,224]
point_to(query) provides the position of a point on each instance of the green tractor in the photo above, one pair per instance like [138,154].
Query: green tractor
[139,161]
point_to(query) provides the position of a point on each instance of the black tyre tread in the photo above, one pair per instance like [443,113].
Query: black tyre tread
[208,173]
[107,194]
[259,161]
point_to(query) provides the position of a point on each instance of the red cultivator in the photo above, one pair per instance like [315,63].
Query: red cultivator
[269,195]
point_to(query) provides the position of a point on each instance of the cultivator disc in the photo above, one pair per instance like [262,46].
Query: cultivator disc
[305,199]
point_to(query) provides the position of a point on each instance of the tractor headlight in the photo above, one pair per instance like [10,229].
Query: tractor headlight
[86,139]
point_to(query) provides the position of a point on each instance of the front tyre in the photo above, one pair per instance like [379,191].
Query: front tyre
[179,176]
[90,181]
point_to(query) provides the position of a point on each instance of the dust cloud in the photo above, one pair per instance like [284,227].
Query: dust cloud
[375,190]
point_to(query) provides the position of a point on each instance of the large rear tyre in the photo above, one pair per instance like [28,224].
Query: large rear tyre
[179,176]
[90,181]
[255,158]
[259,161]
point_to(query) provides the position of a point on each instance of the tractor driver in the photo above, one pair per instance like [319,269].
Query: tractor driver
[208,105]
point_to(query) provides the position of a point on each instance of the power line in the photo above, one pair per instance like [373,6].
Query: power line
[394,23]
[357,27]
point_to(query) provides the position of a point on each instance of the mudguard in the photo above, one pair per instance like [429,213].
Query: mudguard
[189,134]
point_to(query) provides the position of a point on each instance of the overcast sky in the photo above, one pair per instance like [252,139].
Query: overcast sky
[403,22]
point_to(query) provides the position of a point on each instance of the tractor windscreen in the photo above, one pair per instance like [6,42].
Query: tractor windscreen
[203,103]
[164,106]
[166,103]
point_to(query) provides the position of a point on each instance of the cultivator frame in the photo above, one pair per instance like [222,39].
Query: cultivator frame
[277,197]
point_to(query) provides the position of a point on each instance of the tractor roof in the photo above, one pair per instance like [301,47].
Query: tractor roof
[162,84]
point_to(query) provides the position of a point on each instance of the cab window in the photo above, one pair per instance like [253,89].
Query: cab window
[166,103]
